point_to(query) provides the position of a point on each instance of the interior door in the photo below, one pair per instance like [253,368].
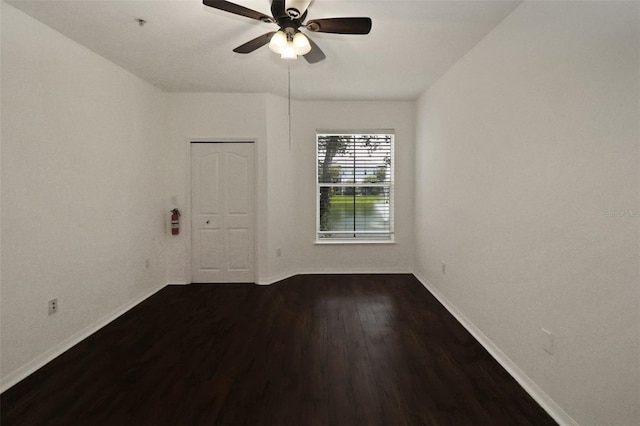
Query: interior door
[222,212]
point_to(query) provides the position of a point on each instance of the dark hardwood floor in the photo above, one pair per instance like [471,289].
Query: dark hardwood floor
[311,350]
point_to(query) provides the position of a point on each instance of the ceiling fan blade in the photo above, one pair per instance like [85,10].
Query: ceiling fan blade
[316,54]
[278,10]
[227,6]
[340,25]
[254,44]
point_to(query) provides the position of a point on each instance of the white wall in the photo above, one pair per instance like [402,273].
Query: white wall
[82,174]
[282,212]
[217,117]
[307,117]
[522,149]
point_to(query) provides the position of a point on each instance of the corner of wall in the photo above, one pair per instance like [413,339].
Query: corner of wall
[548,404]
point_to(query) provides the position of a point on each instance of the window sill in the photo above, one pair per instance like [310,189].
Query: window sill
[351,242]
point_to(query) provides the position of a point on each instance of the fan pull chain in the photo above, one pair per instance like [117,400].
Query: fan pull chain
[289,94]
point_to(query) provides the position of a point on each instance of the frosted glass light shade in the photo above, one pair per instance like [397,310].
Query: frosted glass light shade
[278,42]
[301,44]
[289,52]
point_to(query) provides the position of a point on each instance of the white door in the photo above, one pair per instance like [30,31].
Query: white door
[222,222]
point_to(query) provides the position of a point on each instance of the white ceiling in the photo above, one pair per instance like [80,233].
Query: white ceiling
[187,47]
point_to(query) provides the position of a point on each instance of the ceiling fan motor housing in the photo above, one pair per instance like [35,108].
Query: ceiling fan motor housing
[296,8]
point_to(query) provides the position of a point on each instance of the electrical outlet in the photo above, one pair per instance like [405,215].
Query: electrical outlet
[443,266]
[278,252]
[53,306]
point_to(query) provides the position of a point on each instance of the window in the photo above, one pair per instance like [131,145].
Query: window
[355,186]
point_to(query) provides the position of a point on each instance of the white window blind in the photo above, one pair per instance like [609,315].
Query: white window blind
[355,186]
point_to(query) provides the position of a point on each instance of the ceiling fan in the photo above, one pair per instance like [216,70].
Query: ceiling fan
[290,16]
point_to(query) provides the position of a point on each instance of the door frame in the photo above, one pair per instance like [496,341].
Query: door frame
[187,199]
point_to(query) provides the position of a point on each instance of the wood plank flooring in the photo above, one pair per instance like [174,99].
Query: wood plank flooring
[311,350]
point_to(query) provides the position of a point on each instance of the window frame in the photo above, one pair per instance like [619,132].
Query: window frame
[355,240]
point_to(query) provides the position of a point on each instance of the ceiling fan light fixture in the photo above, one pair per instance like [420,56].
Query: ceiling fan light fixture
[301,44]
[289,45]
[278,42]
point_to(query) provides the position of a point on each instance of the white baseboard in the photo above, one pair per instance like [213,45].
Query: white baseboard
[276,278]
[368,271]
[548,404]
[40,361]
